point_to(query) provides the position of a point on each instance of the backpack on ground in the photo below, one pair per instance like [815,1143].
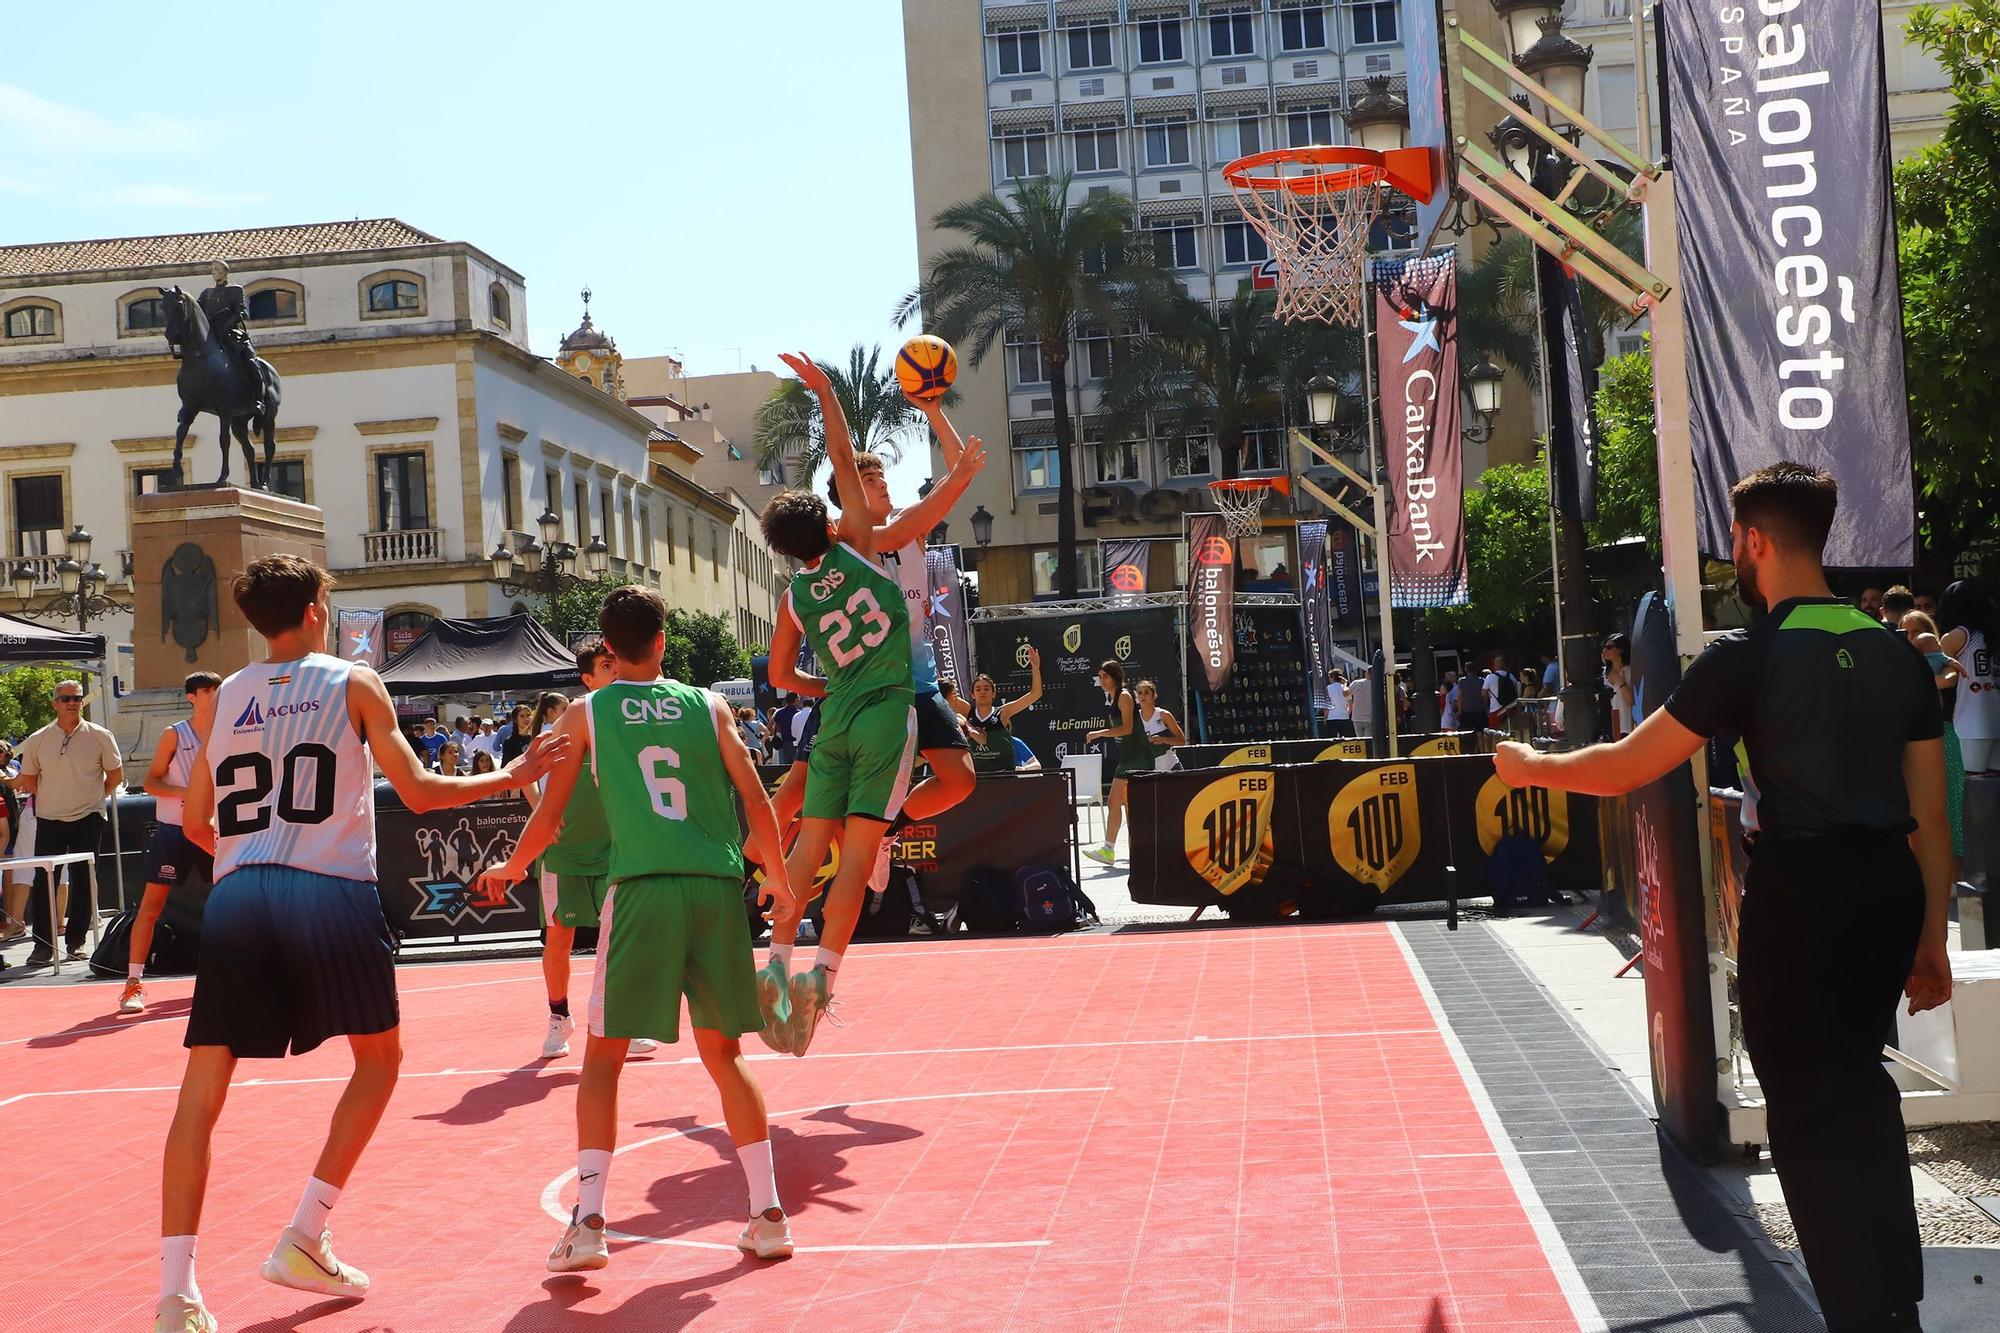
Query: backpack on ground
[987,903]
[1517,876]
[1050,900]
[887,915]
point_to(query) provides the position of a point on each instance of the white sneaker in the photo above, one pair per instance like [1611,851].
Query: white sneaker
[307,1264]
[768,1235]
[183,1314]
[556,1044]
[582,1246]
[133,1001]
[641,1045]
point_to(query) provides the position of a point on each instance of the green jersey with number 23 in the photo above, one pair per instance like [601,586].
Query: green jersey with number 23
[852,613]
[668,800]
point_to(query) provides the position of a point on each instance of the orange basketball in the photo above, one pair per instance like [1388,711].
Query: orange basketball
[926,366]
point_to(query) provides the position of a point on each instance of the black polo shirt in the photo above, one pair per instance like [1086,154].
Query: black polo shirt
[1824,699]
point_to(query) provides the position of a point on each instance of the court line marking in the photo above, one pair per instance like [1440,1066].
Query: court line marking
[1518,1152]
[1582,1305]
[540,1066]
[552,1193]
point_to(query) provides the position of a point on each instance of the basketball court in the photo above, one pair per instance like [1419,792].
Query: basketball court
[1202,1129]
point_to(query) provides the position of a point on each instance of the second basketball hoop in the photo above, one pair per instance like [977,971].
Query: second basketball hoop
[1315,209]
[1240,501]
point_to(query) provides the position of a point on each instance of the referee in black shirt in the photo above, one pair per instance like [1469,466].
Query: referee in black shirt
[1844,905]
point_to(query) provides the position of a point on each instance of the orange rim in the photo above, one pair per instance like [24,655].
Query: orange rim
[1282,485]
[1364,167]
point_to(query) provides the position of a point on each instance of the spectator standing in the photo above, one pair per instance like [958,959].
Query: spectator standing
[1552,675]
[13,889]
[1501,692]
[1339,705]
[1448,702]
[430,741]
[1870,603]
[522,728]
[69,767]
[781,729]
[1471,704]
[1922,633]
[1617,657]
[1897,603]
[752,732]
[451,759]
[1361,703]
[1972,636]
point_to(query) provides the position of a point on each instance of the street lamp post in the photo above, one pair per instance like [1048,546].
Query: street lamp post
[549,565]
[80,585]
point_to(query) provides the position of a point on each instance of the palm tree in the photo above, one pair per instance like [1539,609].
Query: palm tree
[1496,299]
[789,431]
[1036,264]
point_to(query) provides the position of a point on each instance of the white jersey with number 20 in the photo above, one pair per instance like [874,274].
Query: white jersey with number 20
[294,785]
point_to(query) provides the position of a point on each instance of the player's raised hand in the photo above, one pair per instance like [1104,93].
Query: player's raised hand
[970,459]
[543,753]
[809,372]
[493,883]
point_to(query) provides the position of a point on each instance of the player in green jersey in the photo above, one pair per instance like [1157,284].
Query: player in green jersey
[852,612]
[665,756]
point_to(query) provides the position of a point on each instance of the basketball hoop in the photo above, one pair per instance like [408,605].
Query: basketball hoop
[1240,501]
[1315,208]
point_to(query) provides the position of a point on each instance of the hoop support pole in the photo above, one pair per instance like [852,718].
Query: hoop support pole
[1495,187]
[1483,52]
[1331,461]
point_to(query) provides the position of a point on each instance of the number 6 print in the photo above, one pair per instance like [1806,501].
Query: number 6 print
[669,793]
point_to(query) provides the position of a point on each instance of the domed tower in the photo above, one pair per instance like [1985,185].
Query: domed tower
[591,356]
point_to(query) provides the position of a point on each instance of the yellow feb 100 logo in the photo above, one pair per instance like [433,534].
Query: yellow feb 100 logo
[1343,749]
[1374,826]
[1437,745]
[1537,812]
[1227,831]
[1247,754]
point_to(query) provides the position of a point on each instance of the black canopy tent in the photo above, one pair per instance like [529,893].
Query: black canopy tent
[481,656]
[23,642]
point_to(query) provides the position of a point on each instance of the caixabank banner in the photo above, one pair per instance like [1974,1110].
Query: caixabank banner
[1142,641]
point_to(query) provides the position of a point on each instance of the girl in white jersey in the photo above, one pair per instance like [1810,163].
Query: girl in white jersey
[171,860]
[1971,635]
[294,947]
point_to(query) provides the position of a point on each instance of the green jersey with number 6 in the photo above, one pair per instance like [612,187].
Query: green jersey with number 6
[852,613]
[668,800]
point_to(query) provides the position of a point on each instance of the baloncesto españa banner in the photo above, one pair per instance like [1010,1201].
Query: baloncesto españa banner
[1416,337]
[1788,260]
[1212,598]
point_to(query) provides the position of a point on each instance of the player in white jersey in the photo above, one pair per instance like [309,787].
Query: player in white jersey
[171,860]
[294,946]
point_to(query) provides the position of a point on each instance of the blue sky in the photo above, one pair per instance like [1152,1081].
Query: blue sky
[731,179]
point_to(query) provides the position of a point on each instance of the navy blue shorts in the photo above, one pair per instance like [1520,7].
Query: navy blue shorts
[289,959]
[937,725]
[172,858]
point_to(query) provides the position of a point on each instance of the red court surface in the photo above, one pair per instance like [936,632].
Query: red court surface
[1195,1130]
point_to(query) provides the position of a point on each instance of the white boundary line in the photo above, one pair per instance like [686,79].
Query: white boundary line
[1582,1305]
[538,1066]
[552,1194]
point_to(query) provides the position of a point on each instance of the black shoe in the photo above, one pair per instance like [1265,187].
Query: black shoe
[41,957]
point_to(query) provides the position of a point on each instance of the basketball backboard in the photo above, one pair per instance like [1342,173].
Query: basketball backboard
[1430,109]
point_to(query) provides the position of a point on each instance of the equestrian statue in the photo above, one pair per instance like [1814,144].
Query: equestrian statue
[221,373]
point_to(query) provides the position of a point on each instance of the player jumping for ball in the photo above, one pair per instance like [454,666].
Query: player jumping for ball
[665,757]
[854,613]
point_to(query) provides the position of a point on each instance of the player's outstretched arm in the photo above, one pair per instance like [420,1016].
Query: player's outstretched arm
[914,523]
[1659,746]
[573,728]
[764,844]
[854,526]
[1034,694]
[784,657]
[949,443]
[368,703]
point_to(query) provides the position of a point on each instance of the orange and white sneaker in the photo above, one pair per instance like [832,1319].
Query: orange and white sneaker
[133,1001]
[307,1264]
[582,1247]
[767,1235]
[183,1314]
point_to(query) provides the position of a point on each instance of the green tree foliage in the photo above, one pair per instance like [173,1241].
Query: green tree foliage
[789,429]
[1507,559]
[1628,468]
[1948,204]
[576,608]
[27,697]
[701,648]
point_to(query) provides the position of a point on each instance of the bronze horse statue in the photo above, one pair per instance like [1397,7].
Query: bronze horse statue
[213,381]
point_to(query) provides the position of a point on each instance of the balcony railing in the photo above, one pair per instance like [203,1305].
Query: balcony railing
[404,546]
[43,565]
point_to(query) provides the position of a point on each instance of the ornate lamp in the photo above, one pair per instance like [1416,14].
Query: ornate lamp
[77,541]
[1483,381]
[551,525]
[68,573]
[1557,61]
[503,562]
[23,577]
[597,557]
[982,526]
[530,556]
[1379,119]
[1322,400]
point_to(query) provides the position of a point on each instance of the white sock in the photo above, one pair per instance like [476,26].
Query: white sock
[134,971]
[759,1175]
[781,954]
[315,1207]
[827,959]
[177,1268]
[592,1166]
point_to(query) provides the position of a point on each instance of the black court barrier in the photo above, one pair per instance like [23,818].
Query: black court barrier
[1326,749]
[1339,838]
[428,868]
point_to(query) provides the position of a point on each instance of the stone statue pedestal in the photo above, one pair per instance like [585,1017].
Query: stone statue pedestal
[186,547]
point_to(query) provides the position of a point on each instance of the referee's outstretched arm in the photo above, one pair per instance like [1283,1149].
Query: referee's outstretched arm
[1656,748]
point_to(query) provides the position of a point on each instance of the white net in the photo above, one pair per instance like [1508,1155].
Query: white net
[1242,509]
[1318,238]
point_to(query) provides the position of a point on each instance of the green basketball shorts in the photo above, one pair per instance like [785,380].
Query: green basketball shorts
[665,936]
[573,900]
[861,759]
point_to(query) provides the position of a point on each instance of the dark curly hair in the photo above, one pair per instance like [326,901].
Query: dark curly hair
[794,523]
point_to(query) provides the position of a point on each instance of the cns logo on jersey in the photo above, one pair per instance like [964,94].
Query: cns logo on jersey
[1215,551]
[447,890]
[1072,638]
[1374,827]
[1122,649]
[1227,831]
[1534,812]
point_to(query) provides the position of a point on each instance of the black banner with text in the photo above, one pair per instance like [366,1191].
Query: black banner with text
[1143,641]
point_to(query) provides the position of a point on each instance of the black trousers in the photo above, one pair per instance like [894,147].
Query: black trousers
[52,838]
[1829,932]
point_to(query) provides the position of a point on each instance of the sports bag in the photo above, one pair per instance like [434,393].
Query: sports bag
[1050,900]
[987,903]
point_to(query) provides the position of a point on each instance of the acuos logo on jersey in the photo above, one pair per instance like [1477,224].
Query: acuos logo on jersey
[254,714]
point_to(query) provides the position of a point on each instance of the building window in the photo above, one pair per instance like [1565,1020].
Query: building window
[1037,465]
[582,513]
[1188,456]
[1026,355]
[715,551]
[1174,243]
[31,321]
[673,556]
[145,315]
[645,537]
[1024,156]
[1232,35]
[392,296]
[1160,42]
[1090,48]
[275,302]
[604,528]
[1019,53]
[1113,461]
[1374,21]
[499,307]
[1306,126]
[1089,568]
[1167,143]
[510,493]
[1302,29]
[1096,347]
[1238,136]
[1096,148]
[1263,450]
[38,516]
[149,480]
[1241,244]
[402,497]
[288,477]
